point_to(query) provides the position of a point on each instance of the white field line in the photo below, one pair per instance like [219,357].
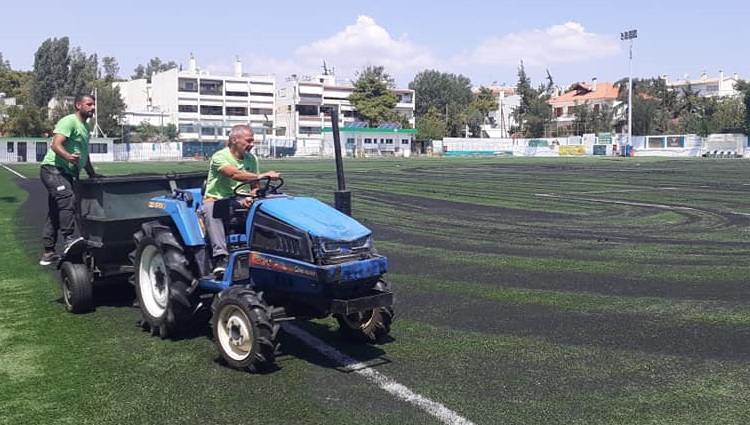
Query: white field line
[610,201]
[13,171]
[434,408]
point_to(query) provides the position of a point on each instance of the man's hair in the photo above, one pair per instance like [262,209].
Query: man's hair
[240,129]
[80,96]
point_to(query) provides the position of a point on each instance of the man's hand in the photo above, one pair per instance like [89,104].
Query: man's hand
[247,201]
[74,157]
[273,175]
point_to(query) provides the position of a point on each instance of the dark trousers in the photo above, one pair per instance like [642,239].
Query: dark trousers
[61,205]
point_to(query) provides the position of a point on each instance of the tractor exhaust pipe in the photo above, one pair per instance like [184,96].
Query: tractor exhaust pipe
[342,197]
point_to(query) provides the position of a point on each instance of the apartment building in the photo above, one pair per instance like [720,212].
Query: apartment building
[302,103]
[719,86]
[202,106]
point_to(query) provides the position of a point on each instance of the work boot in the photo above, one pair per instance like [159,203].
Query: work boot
[70,241]
[220,265]
[48,257]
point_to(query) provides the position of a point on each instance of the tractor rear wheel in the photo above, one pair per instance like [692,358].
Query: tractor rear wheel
[76,284]
[369,326]
[243,329]
[162,280]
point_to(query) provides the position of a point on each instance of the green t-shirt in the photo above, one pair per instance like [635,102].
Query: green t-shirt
[221,186]
[77,135]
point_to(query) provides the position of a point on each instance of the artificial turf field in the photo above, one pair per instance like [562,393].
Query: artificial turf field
[529,291]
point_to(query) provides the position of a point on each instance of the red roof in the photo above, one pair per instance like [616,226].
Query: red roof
[582,92]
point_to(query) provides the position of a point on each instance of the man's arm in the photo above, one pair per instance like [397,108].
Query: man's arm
[57,147]
[246,176]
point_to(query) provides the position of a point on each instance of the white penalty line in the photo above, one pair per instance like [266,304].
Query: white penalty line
[13,171]
[434,408]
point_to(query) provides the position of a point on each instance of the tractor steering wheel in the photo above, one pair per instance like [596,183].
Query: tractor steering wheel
[266,187]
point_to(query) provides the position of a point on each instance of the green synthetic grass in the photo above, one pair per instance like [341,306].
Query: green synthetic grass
[572,312]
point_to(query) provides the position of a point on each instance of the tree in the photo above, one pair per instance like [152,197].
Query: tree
[533,114]
[28,120]
[447,93]
[110,108]
[83,71]
[4,64]
[154,65]
[373,98]
[51,67]
[743,86]
[12,83]
[729,116]
[110,67]
[431,125]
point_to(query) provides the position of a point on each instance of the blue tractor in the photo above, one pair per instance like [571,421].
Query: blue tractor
[290,257]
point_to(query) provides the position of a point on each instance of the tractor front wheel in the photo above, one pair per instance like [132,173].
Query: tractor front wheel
[76,284]
[243,330]
[370,326]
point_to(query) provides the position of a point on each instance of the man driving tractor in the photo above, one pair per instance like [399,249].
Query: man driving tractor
[228,168]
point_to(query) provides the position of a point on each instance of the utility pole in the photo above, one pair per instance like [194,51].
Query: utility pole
[630,35]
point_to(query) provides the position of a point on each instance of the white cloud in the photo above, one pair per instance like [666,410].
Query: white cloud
[367,43]
[566,43]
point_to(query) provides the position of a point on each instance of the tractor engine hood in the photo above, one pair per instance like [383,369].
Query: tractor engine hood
[318,219]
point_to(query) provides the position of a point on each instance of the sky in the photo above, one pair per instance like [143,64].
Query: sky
[484,40]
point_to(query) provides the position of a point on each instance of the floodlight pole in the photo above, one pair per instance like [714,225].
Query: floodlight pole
[630,35]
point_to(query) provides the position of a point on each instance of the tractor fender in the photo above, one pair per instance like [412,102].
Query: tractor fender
[185,218]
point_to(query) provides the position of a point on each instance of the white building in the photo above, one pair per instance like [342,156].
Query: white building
[201,105]
[507,101]
[302,102]
[720,86]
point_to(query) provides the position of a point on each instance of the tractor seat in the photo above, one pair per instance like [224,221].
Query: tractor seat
[234,219]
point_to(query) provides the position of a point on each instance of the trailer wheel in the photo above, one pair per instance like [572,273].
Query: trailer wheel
[162,278]
[369,326]
[243,330]
[77,287]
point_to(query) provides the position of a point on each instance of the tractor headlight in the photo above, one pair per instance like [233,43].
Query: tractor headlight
[347,247]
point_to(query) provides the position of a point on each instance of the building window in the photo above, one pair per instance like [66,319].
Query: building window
[187,108]
[11,147]
[388,141]
[187,84]
[368,140]
[212,87]
[261,111]
[237,93]
[405,98]
[404,141]
[263,94]
[309,130]
[211,110]
[236,111]
[307,110]
[187,128]
[208,131]
[98,147]
[558,112]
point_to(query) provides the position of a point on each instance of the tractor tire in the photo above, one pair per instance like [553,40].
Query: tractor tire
[77,288]
[162,278]
[369,326]
[243,330]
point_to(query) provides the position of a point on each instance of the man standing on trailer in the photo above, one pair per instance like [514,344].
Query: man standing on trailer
[67,154]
